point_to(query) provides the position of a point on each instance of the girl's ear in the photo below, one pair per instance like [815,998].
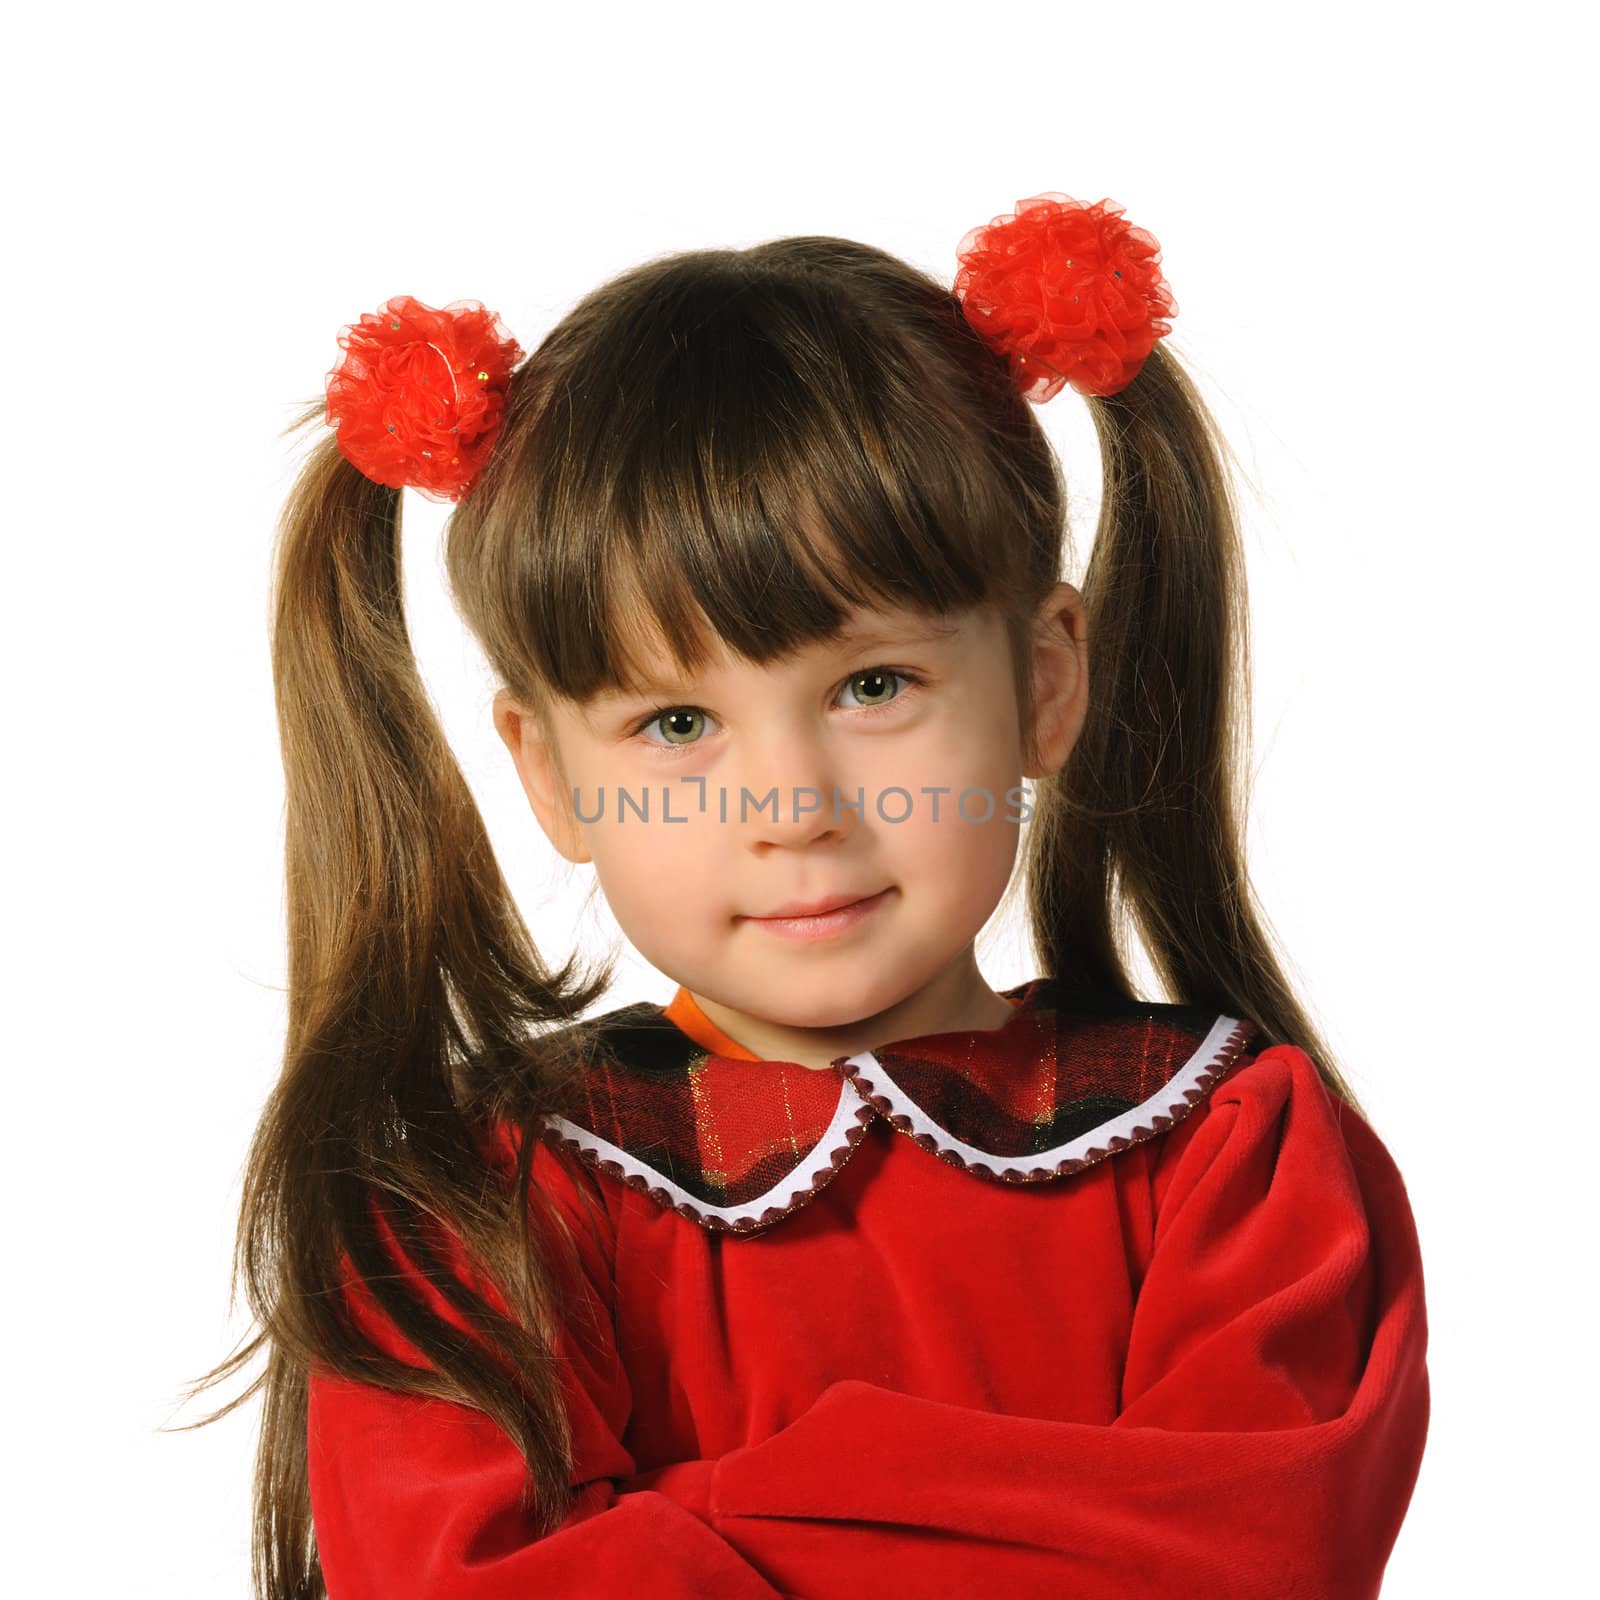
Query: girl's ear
[1060,679]
[539,767]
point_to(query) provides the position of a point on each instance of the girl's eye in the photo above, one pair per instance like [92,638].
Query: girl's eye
[879,680]
[680,715]
[872,690]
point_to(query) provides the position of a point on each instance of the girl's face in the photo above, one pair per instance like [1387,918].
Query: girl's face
[884,766]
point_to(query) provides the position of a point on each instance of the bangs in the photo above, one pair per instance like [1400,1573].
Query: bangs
[758,470]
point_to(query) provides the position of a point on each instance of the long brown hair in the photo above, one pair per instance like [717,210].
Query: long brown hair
[738,443]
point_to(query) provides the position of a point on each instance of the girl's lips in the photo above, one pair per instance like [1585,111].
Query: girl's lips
[826,924]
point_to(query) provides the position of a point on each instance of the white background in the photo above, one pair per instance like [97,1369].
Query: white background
[1381,240]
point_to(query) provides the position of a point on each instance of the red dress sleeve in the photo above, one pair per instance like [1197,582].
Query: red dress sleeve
[1274,1404]
[414,1497]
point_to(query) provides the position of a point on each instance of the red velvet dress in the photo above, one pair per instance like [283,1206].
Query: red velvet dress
[1100,1303]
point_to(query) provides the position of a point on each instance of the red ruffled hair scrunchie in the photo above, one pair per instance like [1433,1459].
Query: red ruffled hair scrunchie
[1067,292]
[418,397]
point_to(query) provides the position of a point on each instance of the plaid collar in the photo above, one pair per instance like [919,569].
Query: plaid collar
[737,1144]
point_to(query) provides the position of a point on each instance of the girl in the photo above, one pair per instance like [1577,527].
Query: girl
[840,1273]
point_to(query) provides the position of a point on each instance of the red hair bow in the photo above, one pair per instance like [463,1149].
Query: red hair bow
[418,396]
[1067,292]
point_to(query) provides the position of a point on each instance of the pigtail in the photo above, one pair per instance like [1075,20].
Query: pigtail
[1145,822]
[414,996]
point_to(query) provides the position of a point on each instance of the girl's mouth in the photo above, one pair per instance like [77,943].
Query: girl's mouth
[826,924]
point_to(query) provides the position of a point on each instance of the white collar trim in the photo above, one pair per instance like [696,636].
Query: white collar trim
[1214,1053]
[839,1139]
[878,1093]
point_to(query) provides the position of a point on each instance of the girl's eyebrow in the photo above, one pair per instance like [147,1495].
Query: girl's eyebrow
[914,630]
[863,636]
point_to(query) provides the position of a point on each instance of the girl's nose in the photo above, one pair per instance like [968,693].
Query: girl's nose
[793,791]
